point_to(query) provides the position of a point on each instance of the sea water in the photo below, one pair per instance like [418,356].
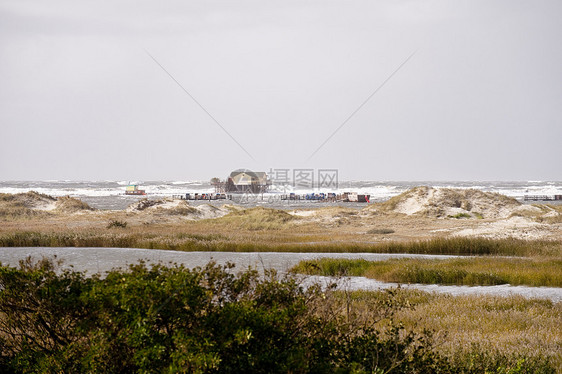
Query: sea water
[111,194]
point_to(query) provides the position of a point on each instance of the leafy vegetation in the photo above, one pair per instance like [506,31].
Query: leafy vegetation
[173,319]
[462,271]
[461,215]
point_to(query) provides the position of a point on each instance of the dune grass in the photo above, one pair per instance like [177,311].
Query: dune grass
[15,211]
[14,207]
[67,204]
[23,206]
[256,219]
[462,271]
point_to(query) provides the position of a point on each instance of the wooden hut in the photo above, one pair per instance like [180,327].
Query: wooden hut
[247,181]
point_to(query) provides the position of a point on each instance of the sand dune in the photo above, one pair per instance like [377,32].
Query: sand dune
[419,213]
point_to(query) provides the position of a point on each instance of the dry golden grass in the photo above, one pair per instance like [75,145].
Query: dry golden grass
[67,204]
[463,326]
[509,325]
[332,229]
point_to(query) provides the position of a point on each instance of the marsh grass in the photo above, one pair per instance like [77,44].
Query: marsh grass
[475,331]
[466,271]
[251,235]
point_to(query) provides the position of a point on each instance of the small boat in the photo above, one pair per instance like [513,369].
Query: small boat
[133,189]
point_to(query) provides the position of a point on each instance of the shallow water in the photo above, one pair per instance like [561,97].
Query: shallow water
[100,260]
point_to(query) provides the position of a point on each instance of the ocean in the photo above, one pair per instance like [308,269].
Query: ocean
[111,194]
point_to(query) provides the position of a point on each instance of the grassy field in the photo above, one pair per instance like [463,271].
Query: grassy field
[477,271]
[475,328]
[216,237]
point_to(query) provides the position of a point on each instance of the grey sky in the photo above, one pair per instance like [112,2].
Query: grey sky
[480,100]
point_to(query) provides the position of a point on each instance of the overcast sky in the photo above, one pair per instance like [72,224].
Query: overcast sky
[81,99]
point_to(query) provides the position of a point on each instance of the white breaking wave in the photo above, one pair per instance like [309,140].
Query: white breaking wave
[378,190]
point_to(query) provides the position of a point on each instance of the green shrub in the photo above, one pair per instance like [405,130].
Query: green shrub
[173,319]
[116,223]
[460,215]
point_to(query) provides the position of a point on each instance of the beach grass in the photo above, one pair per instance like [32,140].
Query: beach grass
[475,271]
[255,219]
[13,208]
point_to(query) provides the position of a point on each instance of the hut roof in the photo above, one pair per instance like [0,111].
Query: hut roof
[243,179]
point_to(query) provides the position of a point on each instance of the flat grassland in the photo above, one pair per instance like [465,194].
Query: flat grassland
[488,326]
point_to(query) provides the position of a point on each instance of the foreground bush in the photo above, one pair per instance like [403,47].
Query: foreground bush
[173,319]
